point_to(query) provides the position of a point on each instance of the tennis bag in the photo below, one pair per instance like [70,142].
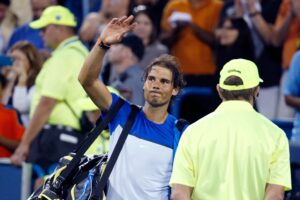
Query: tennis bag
[83,177]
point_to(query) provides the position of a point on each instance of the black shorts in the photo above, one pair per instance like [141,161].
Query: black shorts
[52,143]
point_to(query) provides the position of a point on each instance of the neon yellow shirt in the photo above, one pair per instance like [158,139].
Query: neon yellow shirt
[232,154]
[58,79]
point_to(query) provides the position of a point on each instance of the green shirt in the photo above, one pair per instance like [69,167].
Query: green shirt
[58,79]
[232,154]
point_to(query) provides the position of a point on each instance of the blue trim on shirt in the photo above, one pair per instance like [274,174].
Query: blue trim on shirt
[162,134]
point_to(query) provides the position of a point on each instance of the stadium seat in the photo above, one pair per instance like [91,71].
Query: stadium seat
[286,126]
[15,182]
[193,103]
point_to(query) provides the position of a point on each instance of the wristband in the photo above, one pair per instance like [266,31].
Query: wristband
[254,14]
[102,45]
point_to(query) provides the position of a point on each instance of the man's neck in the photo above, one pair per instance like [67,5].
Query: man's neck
[156,114]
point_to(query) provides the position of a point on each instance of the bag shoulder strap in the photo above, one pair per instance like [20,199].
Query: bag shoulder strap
[84,145]
[180,125]
[70,107]
[115,154]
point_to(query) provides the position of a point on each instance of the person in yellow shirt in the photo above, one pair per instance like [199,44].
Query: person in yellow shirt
[234,153]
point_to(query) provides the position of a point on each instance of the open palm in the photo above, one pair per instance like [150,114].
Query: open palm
[116,28]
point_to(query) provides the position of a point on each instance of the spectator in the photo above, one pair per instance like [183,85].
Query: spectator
[126,73]
[260,17]
[187,22]
[11,130]
[153,130]
[234,152]
[155,10]
[26,65]
[145,29]
[94,22]
[54,129]
[25,32]
[4,6]
[292,93]
[233,41]
[286,32]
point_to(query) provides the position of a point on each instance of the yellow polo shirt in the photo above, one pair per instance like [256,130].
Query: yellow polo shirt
[58,79]
[232,154]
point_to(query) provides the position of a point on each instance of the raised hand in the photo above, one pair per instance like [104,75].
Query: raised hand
[116,28]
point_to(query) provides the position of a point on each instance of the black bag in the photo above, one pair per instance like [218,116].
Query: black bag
[85,124]
[81,177]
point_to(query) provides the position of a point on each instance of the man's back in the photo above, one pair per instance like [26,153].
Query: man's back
[232,154]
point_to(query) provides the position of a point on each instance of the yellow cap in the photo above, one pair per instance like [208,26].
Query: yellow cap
[245,69]
[87,104]
[58,15]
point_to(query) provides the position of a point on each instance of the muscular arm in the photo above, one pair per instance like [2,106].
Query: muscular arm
[89,73]
[181,192]
[274,192]
[88,78]
[39,118]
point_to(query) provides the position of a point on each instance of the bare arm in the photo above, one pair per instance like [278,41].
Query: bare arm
[265,30]
[91,69]
[274,192]
[181,192]
[281,32]
[203,35]
[292,101]
[38,120]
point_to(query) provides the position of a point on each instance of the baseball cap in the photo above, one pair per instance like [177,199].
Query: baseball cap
[135,44]
[58,15]
[242,68]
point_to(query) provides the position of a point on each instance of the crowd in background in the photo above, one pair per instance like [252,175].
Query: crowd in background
[202,34]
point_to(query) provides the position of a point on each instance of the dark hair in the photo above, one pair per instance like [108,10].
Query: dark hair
[142,9]
[242,47]
[34,58]
[5,2]
[3,81]
[171,63]
[246,94]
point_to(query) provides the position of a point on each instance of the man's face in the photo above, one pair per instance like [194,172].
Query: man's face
[38,6]
[3,10]
[49,35]
[158,86]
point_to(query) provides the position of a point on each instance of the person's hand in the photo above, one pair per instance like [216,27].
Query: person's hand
[20,154]
[116,28]
[9,74]
[251,5]
[21,72]
[238,8]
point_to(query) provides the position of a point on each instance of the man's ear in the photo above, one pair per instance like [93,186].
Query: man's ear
[257,91]
[175,91]
[219,93]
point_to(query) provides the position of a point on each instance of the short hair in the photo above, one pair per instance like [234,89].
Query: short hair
[3,81]
[246,94]
[171,63]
